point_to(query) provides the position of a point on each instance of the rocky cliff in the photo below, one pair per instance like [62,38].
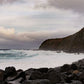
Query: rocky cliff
[72,43]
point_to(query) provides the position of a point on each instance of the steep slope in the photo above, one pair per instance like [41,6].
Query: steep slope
[72,43]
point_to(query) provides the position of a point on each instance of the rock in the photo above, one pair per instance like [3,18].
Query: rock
[35,75]
[75,72]
[73,77]
[42,81]
[17,81]
[1,75]
[3,82]
[58,69]
[74,66]
[20,75]
[66,77]
[81,77]
[54,76]
[29,71]
[76,82]
[16,77]
[43,70]
[10,71]
[19,70]
[44,76]
[65,68]
[79,63]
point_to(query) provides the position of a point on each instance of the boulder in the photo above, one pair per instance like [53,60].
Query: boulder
[74,67]
[42,81]
[76,82]
[79,63]
[43,70]
[54,76]
[20,75]
[29,71]
[58,69]
[1,75]
[35,75]
[65,68]
[81,77]
[17,81]
[10,71]
[4,82]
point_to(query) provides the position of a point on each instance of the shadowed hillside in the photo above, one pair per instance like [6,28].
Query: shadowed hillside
[72,43]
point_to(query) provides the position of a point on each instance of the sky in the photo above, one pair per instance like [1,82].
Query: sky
[25,24]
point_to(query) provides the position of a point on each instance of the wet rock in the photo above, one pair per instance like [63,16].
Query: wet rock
[19,70]
[68,79]
[17,78]
[57,69]
[35,75]
[74,66]
[29,71]
[81,77]
[10,71]
[76,82]
[65,68]
[54,76]
[45,76]
[74,76]
[3,82]
[20,75]
[43,70]
[75,72]
[79,63]
[1,75]
[42,81]
[17,81]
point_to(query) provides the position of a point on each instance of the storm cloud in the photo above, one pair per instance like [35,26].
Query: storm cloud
[25,24]
[75,5]
[9,38]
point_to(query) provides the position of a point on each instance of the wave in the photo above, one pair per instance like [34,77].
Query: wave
[25,59]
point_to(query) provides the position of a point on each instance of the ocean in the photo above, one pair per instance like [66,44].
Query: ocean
[25,59]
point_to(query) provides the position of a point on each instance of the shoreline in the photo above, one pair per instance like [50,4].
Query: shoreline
[68,73]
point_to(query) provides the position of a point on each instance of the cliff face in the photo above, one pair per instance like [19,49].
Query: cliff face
[72,43]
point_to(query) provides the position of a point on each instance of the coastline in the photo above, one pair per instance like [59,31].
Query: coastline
[66,74]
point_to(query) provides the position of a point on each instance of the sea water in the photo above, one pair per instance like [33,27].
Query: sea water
[25,59]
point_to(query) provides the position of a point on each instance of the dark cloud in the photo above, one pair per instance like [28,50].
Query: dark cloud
[75,5]
[27,40]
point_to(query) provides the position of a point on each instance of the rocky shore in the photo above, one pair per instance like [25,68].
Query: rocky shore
[66,74]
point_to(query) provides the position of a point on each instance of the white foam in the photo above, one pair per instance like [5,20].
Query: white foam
[37,59]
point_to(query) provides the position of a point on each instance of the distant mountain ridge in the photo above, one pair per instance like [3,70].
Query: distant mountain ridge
[72,43]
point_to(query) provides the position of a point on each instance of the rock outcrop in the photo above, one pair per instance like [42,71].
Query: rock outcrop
[72,43]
